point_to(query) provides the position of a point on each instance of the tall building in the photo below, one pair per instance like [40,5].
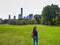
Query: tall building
[14,17]
[0,20]
[9,17]
[20,16]
[27,17]
[21,12]
[30,16]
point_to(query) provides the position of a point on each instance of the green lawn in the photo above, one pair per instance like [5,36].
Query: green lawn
[21,35]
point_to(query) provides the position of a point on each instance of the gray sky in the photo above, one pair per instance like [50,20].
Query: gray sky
[12,7]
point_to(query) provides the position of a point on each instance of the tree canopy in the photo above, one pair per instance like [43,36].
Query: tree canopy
[50,14]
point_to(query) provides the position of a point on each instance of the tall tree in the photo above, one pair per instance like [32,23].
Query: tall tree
[38,18]
[50,13]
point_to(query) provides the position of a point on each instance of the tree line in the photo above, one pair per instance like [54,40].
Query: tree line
[50,16]
[22,22]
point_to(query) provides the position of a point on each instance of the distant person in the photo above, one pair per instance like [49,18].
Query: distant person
[35,35]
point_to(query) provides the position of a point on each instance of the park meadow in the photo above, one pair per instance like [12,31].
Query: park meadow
[21,34]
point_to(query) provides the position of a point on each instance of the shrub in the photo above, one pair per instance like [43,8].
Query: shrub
[22,22]
[13,22]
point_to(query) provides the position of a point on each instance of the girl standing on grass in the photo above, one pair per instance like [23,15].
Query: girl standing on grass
[35,35]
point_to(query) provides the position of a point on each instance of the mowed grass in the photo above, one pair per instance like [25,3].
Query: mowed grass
[21,35]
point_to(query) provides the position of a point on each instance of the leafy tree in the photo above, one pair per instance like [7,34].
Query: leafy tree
[50,14]
[38,18]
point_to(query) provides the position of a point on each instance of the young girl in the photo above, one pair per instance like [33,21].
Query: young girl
[35,35]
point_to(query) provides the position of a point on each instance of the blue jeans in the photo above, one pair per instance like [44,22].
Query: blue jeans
[35,40]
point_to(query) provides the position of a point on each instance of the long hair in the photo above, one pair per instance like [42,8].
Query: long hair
[34,28]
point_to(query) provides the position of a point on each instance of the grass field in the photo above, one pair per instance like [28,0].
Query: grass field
[21,35]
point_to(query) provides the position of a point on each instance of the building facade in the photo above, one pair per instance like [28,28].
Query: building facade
[0,20]
[20,16]
[9,18]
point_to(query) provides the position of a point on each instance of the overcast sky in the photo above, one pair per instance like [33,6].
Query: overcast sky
[12,7]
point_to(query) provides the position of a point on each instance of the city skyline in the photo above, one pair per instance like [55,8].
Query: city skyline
[12,7]
[20,16]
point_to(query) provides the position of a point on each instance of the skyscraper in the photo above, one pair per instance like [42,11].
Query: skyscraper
[20,16]
[21,12]
[9,17]
[14,17]
[30,16]
[0,20]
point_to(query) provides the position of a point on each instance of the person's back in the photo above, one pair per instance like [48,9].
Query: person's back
[35,35]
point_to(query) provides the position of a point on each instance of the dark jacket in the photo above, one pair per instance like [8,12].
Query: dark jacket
[35,33]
